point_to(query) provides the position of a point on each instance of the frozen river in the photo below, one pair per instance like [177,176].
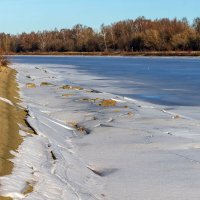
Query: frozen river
[131,150]
[165,81]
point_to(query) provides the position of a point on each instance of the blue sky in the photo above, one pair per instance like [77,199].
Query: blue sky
[17,16]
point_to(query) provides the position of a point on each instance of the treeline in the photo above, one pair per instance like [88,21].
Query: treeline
[136,35]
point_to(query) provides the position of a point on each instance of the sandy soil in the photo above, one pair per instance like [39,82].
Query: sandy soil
[10,117]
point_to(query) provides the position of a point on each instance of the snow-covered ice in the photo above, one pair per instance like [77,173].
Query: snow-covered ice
[81,150]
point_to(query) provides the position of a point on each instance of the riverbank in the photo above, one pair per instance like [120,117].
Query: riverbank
[10,118]
[90,144]
[123,53]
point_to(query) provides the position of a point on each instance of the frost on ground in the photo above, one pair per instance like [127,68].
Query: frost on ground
[89,144]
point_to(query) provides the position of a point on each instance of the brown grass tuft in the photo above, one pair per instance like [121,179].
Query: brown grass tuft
[30,85]
[70,87]
[67,95]
[79,128]
[46,84]
[108,102]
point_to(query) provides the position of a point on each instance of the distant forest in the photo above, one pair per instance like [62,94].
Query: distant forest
[136,35]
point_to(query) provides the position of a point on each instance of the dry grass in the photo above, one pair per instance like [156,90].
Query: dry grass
[108,103]
[130,113]
[117,53]
[3,69]
[30,85]
[70,87]
[10,118]
[4,61]
[176,117]
[67,95]
[90,100]
[116,111]
[28,189]
[45,84]
[79,128]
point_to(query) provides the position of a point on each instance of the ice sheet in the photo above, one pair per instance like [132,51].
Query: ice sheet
[134,150]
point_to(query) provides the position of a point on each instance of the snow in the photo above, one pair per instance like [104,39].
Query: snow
[135,150]
[6,101]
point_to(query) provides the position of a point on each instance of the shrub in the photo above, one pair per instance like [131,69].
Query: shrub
[4,61]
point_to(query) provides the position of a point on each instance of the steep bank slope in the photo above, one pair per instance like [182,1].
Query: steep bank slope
[10,116]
